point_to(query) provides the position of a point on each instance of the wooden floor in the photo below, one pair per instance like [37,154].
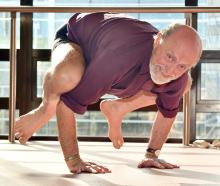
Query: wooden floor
[41,164]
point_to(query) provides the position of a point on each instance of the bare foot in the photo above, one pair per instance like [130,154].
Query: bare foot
[31,122]
[114,117]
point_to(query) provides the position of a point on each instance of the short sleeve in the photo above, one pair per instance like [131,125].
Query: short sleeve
[169,96]
[60,37]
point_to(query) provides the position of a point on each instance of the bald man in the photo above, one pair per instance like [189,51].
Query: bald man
[101,53]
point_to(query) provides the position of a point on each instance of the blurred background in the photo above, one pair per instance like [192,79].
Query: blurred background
[35,34]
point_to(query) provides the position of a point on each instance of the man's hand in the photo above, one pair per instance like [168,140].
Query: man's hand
[156,163]
[88,167]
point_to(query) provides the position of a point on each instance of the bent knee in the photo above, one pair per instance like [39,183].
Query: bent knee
[68,72]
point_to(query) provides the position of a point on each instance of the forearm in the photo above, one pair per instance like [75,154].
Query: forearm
[68,140]
[162,126]
[67,131]
[160,131]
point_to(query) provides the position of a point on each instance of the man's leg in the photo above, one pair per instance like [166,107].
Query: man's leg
[68,140]
[64,76]
[115,110]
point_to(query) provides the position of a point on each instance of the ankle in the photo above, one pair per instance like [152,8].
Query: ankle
[47,109]
[120,107]
[48,103]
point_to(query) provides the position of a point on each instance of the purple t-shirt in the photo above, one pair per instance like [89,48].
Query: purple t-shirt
[117,52]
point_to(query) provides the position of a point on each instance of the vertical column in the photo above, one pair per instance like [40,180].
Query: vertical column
[186,100]
[25,61]
[12,58]
[189,99]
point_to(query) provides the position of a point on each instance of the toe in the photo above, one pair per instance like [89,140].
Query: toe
[117,144]
[18,135]
[22,140]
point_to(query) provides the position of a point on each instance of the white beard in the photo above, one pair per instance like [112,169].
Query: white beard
[155,74]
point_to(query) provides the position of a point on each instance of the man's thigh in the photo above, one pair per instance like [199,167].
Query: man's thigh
[67,67]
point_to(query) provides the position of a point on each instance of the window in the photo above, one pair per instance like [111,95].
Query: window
[207,125]
[135,124]
[209,26]
[4,121]
[207,117]
[42,67]
[5,24]
[4,82]
[93,123]
[45,24]
[210,81]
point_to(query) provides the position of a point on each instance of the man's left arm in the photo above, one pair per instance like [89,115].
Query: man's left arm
[159,133]
[161,129]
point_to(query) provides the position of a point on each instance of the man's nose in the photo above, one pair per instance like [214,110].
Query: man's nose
[171,70]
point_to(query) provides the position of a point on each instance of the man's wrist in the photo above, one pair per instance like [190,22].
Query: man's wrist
[152,153]
[73,159]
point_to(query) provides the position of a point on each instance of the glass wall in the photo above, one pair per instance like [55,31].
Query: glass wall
[5,24]
[207,124]
[210,81]
[4,65]
[4,82]
[136,123]
[209,26]
[93,123]
[45,24]
[4,122]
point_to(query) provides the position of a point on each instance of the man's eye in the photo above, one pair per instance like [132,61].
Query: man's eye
[170,58]
[182,66]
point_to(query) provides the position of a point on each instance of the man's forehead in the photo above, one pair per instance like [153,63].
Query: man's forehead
[181,41]
[184,52]
[182,33]
[184,44]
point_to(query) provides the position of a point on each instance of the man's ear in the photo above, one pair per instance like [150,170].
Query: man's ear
[157,39]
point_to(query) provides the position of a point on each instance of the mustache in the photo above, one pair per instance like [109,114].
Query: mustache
[162,69]
[157,75]
[158,67]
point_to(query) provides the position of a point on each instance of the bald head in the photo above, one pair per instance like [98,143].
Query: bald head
[176,50]
[186,36]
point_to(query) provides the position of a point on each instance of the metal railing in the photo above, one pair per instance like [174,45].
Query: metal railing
[118,9]
[31,9]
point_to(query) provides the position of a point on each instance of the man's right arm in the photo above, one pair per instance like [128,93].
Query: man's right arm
[159,133]
[68,140]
